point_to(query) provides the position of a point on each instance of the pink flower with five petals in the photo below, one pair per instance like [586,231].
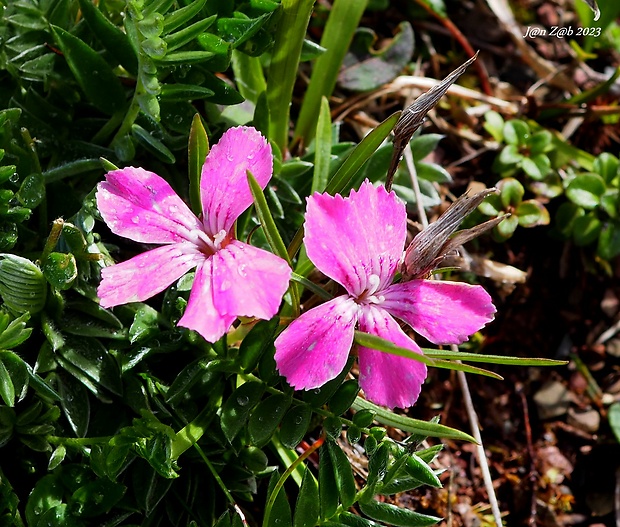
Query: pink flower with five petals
[232,278]
[358,242]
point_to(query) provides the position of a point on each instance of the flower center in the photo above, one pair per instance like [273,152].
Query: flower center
[208,245]
[368,295]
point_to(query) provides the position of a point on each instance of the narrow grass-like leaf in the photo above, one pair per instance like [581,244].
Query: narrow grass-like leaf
[311,286]
[285,57]
[115,41]
[361,154]
[377,343]
[322,148]
[152,144]
[94,75]
[185,35]
[197,150]
[181,16]
[271,231]
[249,75]
[337,35]
[491,359]
[407,424]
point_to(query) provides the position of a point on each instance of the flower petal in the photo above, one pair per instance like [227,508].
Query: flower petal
[201,315]
[248,281]
[358,241]
[386,379]
[141,206]
[315,347]
[442,312]
[224,186]
[147,274]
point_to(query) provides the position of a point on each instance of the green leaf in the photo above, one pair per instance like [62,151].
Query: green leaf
[565,218]
[491,359]
[15,332]
[186,35]
[181,16]
[511,192]
[91,358]
[516,132]
[237,408]
[586,229]
[609,241]
[22,284]
[373,342]
[266,417]
[361,153]
[197,150]
[414,426]
[74,403]
[342,400]
[60,270]
[392,515]
[307,507]
[510,155]
[424,144]
[532,213]
[32,191]
[328,488]
[494,124]
[343,474]
[586,190]
[295,425]
[614,419]
[96,497]
[100,84]
[46,495]
[506,228]
[337,35]
[280,513]
[14,377]
[256,342]
[289,38]
[152,144]
[540,142]
[607,165]
[322,148]
[113,39]
[433,172]
[7,389]
[57,457]
[183,92]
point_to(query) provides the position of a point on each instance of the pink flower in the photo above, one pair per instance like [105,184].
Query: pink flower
[232,278]
[358,242]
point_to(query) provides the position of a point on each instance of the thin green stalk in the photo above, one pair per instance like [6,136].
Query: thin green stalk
[189,435]
[283,69]
[341,25]
[280,483]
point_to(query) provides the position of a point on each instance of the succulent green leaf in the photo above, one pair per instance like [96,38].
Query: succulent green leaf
[609,241]
[516,132]
[60,270]
[22,284]
[607,165]
[494,124]
[511,193]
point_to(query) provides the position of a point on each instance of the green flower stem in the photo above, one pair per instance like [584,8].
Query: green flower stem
[52,239]
[287,473]
[289,39]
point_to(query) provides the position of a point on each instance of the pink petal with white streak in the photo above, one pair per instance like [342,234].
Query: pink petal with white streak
[147,274]
[388,380]
[442,312]
[141,206]
[224,186]
[201,315]
[315,347]
[358,241]
[248,281]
